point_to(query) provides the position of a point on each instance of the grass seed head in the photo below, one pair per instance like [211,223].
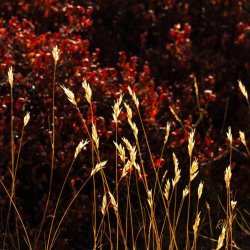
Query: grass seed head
[26,119]
[243,89]
[95,136]
[227,176]
[191,143]
[113,202]
[80,146]
[150,199]
[121,151]
[167,132]
[98,167]
[221,238]
[128,144]
[88,91]
[194,169]
[185,192]
[233,204]
[229,136]
[126,168]
[138,168]
[55,53]
[70,95]
[200,189]
[243,138]
[196,223]
[104,204]
[10,77]
[129,111]
[167,189]
[134,97]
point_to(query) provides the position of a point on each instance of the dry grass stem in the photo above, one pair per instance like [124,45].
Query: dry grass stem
[221,238]
[70,95]
[176,116]
[196,224]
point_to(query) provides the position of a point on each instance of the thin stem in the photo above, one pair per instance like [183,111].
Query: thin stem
[52,156]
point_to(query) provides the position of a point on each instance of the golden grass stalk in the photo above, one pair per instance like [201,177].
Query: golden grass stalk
[70,95]
[221,238]
[79,147]
[227,178]
[98,167]
[176,117]
[195,229]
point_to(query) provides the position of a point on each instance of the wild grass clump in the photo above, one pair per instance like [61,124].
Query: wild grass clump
[164,211]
